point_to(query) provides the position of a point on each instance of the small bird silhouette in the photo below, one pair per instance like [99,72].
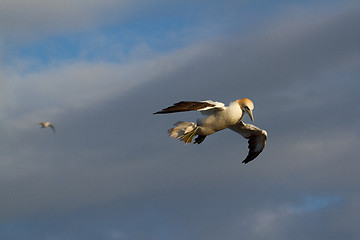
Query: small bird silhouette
[47,124]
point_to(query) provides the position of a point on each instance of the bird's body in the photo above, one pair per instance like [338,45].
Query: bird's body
[47,124]
[218,117]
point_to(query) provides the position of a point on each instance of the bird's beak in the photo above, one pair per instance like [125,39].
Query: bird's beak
[250,115]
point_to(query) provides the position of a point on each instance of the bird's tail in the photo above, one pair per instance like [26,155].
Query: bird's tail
[184,131]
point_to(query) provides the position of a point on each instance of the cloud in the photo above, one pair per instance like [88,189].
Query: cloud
[27,21]
[53,89]
[31,18]
[111,164]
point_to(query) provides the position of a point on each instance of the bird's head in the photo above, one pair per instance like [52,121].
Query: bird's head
[247,106]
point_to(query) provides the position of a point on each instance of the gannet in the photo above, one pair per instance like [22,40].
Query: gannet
[218,117]
[47,124]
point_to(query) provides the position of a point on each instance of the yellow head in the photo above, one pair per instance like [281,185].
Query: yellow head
[247,106]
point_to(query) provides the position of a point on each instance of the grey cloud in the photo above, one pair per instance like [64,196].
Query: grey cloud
[113,159]
[31,18]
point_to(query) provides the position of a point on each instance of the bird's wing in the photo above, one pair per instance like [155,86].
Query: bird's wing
[52,127]
[257,138]
[185,106]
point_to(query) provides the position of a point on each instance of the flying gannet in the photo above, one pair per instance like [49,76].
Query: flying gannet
[218,117]
[47,124]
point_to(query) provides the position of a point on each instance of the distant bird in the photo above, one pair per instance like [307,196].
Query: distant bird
[47,124]
[218,117]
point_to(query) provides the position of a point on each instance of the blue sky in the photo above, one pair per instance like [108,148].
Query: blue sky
[163,26]
[99,69]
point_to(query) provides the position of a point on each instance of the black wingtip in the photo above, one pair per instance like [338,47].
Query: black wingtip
[165,111]
[159,112]
[247,160]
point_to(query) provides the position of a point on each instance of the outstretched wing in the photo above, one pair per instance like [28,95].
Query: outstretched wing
[52,127]
[185,106]
[257,138]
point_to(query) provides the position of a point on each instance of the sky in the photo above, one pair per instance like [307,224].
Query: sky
[99,69]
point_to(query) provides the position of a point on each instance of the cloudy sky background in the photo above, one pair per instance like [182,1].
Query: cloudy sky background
[99,69]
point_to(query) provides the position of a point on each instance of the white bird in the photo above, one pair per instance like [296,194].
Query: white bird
[47,124]
[218,117]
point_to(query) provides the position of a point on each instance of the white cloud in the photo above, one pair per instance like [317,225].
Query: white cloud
[74,84]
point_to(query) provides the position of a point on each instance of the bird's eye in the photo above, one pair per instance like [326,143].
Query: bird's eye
[247,108]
